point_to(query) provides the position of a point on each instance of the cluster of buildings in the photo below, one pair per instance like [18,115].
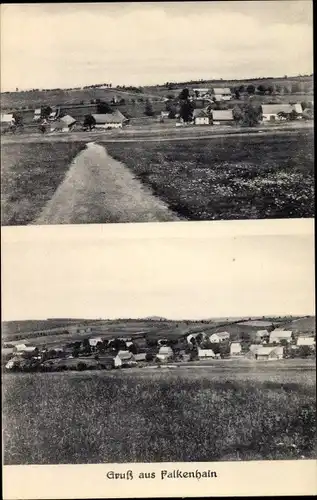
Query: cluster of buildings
[121,352]
[56,122]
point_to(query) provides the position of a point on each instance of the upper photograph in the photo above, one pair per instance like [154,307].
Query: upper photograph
[156,112]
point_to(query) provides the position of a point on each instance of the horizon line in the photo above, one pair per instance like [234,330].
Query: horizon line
[114,86]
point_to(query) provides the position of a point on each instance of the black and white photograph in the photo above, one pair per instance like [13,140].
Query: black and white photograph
[125,347]
[156,112]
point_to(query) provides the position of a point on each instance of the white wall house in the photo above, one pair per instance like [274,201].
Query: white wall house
[109,120]
[277,335]
[270,112]
[206,353]
[222,94]
[308,341]
[235,349]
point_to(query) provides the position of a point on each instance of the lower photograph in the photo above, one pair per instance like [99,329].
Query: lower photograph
[144,344]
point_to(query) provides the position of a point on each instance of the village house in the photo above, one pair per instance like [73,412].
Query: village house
[235,349]
[279,112]
[64,124]
[7,119]
[124,359]
[277,335]
[164,114]
[206,353]
[307,341]
[201,92]
[140,356]
[222,116]
[37,114]
[109,120]
[221,94]
[93,341]
[219,337]
[54,114]
[262,335]
[266,353]
[165,354]
[201,117]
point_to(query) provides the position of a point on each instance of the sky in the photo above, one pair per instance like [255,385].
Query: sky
[173,270]
[67,45]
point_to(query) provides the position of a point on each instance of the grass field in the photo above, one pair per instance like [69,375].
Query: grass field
[229,177]
[30,174]
[266,411]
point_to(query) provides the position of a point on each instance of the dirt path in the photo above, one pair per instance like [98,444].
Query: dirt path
[99,189]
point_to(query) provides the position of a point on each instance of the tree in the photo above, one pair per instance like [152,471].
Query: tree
[89,122]
[304,351]
[184,95]
[237,93]
[237,114]
[250,89]
[293,115]
[148,110]
[172,113]
[186,111]
[46,111]
[250,116]
[103,108]
[261,89]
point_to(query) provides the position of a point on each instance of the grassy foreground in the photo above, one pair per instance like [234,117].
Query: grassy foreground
[162,416]
[230,177]
[30,174]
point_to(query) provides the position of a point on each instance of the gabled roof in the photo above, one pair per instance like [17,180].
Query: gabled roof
[125,355]
[222,114]
[68,120]
[115,117]
[281,334]
[269,109]
[200,113]
[6,118]
[221,90]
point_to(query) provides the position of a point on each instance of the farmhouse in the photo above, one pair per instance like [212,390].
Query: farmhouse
[54,114]
[277,335]
[307,341]
[219,337]
[165,353]
[124,359]
[141,356]
[200,92]
[262,334]
[109,120]
[235,348]
[64,124]
[206,353]
[266,353]
[221,94]
[279,112]
[200,117]
[222,116]
[7,119]
[94,341]
[37,114]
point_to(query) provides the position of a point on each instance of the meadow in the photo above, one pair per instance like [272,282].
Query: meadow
[30,174]
[264,411]
[228,177]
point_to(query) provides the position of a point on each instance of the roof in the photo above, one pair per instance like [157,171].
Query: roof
[305,341]
[261,333]
[221,90]
[222,114]
[281,334]
[200,113]
[270,109]
[68,120]
[165,350]
[6,118]
[125,355]
[221,335]
[115,117]
[209,352]
[264,351]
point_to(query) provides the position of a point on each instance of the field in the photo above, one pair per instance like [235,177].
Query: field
[30,174]
[219,412]
[225,177]
[228,177]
